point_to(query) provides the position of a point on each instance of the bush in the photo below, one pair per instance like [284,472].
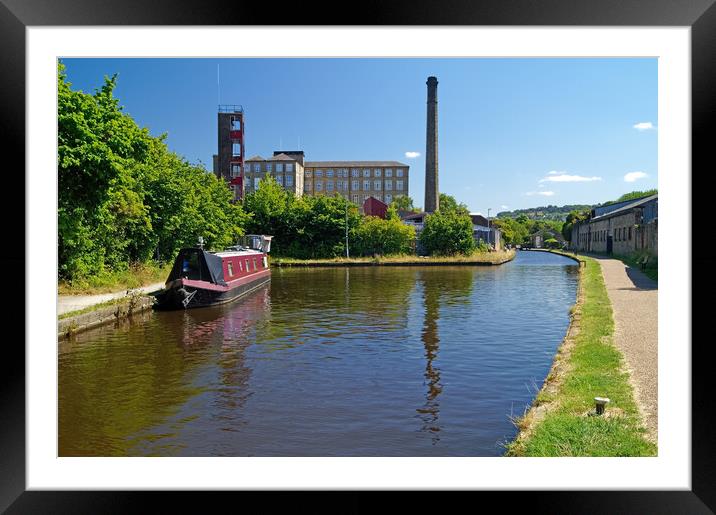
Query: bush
[447,234]
[551,243]
[377,236]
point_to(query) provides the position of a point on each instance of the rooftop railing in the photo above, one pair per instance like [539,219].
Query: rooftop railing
[231,108]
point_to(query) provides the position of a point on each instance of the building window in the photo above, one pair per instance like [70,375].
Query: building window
[279,179]
[289,180]
[399,172]
[329,185]
[329,173]
[235,123]
[345,172]
[279,167]
[366,172]
[268,167]
[235,149]
[256,183]
[388,199]
[398,185]
[307,173]
[376,172]
[355,172]
[307,186]
[388,172]
[235,170]
[630,233]
[366,185]
[289,167]
[388,184]
[355,199]
[257,167]
[319,173]
[319,186]
[377,185]
[378,196]
[355,185]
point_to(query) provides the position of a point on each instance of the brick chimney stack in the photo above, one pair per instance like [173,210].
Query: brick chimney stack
[432,195]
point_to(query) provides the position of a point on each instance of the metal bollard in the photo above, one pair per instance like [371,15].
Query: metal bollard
[601,403]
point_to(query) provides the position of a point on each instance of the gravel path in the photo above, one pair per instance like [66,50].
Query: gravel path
[67,303]
[634,302]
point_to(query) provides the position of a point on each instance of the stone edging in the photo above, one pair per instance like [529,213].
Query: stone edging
[125,308]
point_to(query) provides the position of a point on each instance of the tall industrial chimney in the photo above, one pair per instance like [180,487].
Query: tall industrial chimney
[432,195]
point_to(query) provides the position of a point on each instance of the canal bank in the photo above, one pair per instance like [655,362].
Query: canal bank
[562,420]
[478,259]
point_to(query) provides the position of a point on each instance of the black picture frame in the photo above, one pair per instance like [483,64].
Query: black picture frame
[16,15]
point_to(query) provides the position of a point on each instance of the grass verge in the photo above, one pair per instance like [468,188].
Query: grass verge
[561,420]
[136,276]
[477,258]
[651,270]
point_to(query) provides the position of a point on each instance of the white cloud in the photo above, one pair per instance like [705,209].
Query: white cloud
[565,177]
[633,176]
[504,206]
[412,155]
[543,193]
[644,126]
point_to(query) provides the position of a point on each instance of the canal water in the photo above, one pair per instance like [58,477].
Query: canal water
[366,361]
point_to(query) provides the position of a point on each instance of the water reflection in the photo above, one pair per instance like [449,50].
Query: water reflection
[374,361]
[453,285]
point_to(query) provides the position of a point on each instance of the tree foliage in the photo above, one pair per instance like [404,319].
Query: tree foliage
[448,203]
[123,197]
[447,233]
[404,203]
[377,236]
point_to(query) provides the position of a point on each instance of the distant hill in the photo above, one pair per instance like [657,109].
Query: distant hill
[558,213]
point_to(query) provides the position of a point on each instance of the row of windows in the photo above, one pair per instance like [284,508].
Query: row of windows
[355,172]
[230,266]
[355,185]
[269,167]
[620,234]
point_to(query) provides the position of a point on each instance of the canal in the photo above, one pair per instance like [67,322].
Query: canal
[363,361]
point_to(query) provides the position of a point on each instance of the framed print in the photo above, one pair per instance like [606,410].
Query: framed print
[48,461]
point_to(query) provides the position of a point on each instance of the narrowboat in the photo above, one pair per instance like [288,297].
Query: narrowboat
[200,278]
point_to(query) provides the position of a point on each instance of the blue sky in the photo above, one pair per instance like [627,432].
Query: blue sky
[513,133]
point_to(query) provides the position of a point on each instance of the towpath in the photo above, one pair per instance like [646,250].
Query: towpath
[67,303]
[634,302]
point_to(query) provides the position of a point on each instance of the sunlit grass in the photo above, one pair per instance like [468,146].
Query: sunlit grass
[474,258]
[136,276]
[594,367]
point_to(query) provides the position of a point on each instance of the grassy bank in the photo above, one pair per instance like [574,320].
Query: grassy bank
[651,270]
[135,276]
[561,421]
[477,258]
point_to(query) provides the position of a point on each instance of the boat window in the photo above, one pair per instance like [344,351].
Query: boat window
[254,265]
[190,266]
[230,266]
[241,266]
[248,267]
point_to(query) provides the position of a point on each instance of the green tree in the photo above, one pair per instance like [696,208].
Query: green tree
[123,197]
[447,233]
[403,203]
[377,236]
[448,203]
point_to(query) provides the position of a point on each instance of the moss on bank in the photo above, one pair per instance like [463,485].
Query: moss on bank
[561,421]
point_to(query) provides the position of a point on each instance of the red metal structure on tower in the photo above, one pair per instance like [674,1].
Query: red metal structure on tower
[230,159]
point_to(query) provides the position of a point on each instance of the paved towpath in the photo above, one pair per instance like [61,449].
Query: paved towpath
[67,303]
[634,302]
